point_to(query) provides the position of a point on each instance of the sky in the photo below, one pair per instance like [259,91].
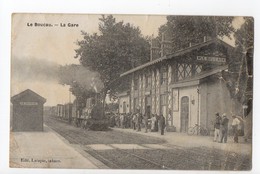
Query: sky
[57,44]
[38,51]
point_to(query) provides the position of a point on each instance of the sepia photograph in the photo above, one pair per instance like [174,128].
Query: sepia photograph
[117,91]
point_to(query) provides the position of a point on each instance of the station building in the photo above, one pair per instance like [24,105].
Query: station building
[185,86]
[27,111]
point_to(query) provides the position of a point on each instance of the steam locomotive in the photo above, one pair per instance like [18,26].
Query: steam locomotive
[90,117]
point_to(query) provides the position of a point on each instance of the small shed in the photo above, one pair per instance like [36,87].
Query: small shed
[27,111]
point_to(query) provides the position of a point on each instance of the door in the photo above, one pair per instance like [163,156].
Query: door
[184,114]
[124,107]
[148,105]
[135,104]
[148,111]
[163,110]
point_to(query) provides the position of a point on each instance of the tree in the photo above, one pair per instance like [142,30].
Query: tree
[118,48]
[184,29]
[245,35]
[244,40]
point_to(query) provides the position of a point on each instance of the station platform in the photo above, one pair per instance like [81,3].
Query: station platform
[45,150]
[189,141]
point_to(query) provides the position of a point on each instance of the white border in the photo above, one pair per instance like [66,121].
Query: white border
[164,7]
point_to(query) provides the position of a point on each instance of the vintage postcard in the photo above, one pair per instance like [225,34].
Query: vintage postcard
[131,92]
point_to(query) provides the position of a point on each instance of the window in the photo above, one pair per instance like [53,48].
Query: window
[136,83]
[184,71]
[135,104]
[147,80]
[163,105]
[181,74]
[198,69]
[163,99]
[147,101]
[188,68]
[163,76]
[174,70]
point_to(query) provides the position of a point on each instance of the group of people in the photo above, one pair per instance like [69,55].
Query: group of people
[221,128]
[154,124]
[120,120]
[157,123]
[137,121]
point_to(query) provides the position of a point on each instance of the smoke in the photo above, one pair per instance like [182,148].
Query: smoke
[84,77]
[26,70]
[32,69]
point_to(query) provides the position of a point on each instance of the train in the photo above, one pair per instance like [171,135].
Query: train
[89,117]
[61,111]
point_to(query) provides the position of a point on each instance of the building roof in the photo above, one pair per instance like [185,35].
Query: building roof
[204,74]
[177,53]
[25,93]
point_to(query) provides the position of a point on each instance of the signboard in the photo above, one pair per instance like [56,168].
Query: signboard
[212,59]
[29,103]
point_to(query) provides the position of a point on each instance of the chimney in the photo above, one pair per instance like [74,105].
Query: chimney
[162,45]
[151,50]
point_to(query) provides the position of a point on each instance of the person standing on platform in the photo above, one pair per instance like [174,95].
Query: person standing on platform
[122,117]
[162,124]
[146,122]
[134,121]
[156,127]
[217,127]
[153,120]
[224,129]
[235,124]
[139,121]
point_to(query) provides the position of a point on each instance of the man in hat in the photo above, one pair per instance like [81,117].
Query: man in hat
[146,117]
[162,124]
[153,120]
[224,128]
[217,127]
[138,119]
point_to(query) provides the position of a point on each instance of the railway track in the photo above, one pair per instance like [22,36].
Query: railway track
[173,157]
[149,164]
[159,165]
[93,152]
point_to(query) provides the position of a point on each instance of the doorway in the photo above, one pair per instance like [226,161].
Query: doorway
[124,107]
[148,105]
[184,114]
